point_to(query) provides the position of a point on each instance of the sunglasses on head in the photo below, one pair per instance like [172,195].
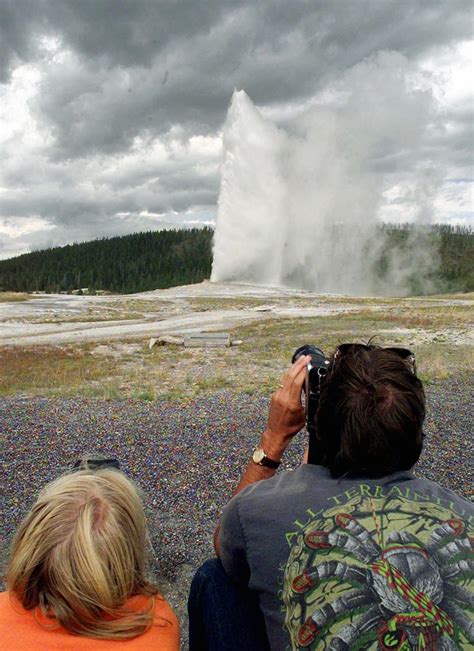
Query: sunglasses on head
[95,463]
[403,353]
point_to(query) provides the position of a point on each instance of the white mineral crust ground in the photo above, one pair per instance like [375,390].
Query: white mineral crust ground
[57,319]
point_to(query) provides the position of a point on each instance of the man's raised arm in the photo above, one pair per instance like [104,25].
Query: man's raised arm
[285,419]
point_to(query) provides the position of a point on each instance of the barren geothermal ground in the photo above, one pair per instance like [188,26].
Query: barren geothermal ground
[98,346]
[77,375]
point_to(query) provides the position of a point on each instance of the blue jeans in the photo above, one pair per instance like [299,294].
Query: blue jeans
[222,615]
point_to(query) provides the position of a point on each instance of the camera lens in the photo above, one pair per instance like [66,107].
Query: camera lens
[317,355]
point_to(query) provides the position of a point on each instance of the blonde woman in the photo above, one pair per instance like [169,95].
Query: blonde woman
[77,573]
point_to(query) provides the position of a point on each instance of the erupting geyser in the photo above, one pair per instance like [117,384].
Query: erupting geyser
[299,206]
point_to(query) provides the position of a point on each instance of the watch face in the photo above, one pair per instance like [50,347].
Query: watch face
[258,455]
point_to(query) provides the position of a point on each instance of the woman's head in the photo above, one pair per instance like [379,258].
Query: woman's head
[370,415]
[80,554]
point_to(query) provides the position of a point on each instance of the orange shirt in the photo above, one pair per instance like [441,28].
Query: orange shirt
[20,631]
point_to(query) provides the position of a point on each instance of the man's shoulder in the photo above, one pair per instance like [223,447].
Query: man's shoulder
[285,489]
[433,489]
[315,481]
[288,481]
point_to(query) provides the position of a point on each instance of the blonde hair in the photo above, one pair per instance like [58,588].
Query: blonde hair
[80,554]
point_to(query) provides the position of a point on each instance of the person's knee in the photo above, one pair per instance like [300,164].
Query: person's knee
[207,576]
[210,569]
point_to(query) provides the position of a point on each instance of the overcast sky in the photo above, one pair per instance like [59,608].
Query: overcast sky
[112,110]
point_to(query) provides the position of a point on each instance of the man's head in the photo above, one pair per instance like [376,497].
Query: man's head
[370,415]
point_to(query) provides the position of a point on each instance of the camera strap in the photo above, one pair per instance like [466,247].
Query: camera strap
[313,399]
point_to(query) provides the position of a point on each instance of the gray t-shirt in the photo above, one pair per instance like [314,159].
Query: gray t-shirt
[348,564]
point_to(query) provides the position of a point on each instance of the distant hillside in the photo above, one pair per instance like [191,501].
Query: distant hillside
[156,260]
[127,264]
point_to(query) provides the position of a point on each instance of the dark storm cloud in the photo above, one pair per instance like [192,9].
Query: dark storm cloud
[141,65]
[125,85]
[115,32]
[59,206]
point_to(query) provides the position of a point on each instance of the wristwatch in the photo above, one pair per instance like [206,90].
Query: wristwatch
[260,458]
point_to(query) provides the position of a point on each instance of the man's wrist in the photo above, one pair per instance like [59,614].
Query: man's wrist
[272,447]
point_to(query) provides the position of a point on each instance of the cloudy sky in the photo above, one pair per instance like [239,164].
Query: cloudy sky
[112,110]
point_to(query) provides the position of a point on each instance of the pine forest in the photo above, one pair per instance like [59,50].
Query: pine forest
[160,259]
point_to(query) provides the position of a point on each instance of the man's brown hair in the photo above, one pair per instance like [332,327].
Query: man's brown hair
[370,415]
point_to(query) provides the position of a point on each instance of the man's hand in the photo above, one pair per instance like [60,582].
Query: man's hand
[286,417]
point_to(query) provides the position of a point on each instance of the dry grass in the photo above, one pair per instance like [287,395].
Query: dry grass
[249,302]
[14,297]
[50,370]
[268,346]
[235,303]
[433,316]
[129,369]
[455,296]
[257,365]
[441,361]
[91,316]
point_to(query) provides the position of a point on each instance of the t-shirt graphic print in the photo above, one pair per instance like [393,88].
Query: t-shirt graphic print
[380,571]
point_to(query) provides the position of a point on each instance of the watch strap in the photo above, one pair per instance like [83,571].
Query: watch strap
[261,459]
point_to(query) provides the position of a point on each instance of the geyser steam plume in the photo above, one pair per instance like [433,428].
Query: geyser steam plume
[300,206]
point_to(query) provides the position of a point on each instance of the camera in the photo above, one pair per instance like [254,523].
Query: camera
[316,370]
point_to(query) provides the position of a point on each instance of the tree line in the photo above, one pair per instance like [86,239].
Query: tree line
[448,262]
[125,265]
[159,259]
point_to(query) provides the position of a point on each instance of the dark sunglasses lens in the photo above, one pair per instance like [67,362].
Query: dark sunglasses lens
[404,353]
[95,464]
[346,348]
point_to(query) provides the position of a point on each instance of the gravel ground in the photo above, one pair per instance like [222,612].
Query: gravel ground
[187,459]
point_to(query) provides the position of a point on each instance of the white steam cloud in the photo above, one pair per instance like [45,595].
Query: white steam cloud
[299,206]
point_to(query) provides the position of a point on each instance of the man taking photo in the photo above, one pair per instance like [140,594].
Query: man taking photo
[348,551]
